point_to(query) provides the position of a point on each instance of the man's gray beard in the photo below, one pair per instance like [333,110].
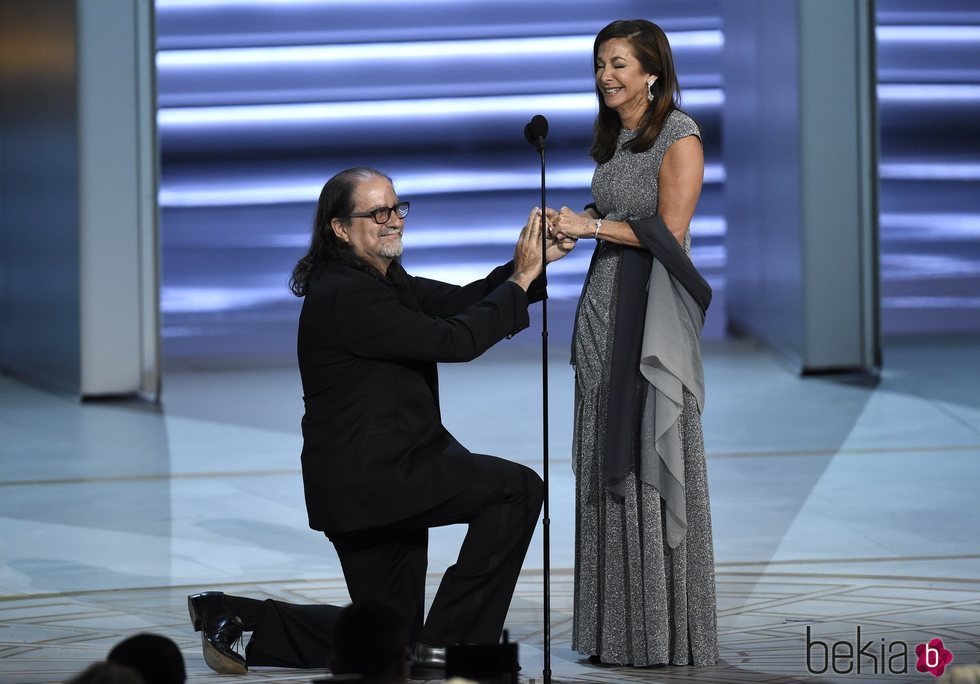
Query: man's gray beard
[392,249]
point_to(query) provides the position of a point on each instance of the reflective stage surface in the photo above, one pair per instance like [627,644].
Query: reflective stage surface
[835,506]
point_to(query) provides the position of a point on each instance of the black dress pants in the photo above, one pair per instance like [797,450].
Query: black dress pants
[286,634]
[499,501]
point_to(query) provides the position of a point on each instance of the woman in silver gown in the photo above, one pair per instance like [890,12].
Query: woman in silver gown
[644,563]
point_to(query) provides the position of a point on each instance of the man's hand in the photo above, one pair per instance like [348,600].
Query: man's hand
[527,252]
[559,247]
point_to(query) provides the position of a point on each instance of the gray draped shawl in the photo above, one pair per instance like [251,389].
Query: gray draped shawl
[661,287]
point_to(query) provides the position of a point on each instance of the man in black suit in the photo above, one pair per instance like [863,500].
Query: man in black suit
[379,468]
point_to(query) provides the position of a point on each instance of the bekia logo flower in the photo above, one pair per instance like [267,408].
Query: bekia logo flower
[933,657]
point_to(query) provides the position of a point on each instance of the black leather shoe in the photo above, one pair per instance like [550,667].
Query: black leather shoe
[428,662]
[219,630]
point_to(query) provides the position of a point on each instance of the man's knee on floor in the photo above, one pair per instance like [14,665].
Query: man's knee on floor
[370,639]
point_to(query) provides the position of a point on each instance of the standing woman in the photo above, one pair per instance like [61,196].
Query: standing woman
[644,563]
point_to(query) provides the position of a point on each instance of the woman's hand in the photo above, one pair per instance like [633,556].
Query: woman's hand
[567,224]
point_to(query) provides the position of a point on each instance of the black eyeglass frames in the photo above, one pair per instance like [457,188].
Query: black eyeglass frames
[382,215]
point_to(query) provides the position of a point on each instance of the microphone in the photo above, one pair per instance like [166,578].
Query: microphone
[536,131]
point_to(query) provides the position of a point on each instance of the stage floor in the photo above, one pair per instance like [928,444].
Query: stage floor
[836,506]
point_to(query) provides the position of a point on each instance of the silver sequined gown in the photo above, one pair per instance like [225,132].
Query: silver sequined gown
[637,601]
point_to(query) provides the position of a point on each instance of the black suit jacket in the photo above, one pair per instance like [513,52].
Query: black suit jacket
[374,447]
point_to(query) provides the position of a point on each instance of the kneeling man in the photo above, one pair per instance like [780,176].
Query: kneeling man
[379,468]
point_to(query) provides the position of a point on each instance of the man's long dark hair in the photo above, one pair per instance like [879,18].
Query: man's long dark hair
[650,47]
[336,201]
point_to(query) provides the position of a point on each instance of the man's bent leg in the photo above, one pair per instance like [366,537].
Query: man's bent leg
[387,565]
[501,504]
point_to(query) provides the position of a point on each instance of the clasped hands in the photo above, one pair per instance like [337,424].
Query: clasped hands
[527,252]
[565,224]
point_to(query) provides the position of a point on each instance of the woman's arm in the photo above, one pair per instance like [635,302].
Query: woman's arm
[569,224]
[681,176]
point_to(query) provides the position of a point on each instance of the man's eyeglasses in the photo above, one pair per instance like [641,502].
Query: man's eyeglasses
[382,215]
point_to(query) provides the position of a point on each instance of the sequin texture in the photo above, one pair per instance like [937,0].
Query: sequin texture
[637,601]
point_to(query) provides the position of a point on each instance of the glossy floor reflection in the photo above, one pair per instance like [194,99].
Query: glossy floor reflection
[835,506]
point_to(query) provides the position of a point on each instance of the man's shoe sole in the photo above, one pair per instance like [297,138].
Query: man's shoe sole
[220,662]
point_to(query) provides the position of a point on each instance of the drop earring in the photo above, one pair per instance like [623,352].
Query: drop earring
[652,89]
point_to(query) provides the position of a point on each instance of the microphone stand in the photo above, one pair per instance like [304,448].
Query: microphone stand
[546,523]
[535,133]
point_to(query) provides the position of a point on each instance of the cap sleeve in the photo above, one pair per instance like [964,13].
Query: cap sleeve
[679,125]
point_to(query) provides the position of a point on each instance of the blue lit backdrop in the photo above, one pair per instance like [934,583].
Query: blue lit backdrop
[261,101]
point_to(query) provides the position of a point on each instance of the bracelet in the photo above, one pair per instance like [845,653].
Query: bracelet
[598,225]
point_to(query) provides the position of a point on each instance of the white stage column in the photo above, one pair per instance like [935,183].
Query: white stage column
[801,150]
[79,294]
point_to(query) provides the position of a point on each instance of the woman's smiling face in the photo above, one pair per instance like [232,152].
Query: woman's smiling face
[621,79]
